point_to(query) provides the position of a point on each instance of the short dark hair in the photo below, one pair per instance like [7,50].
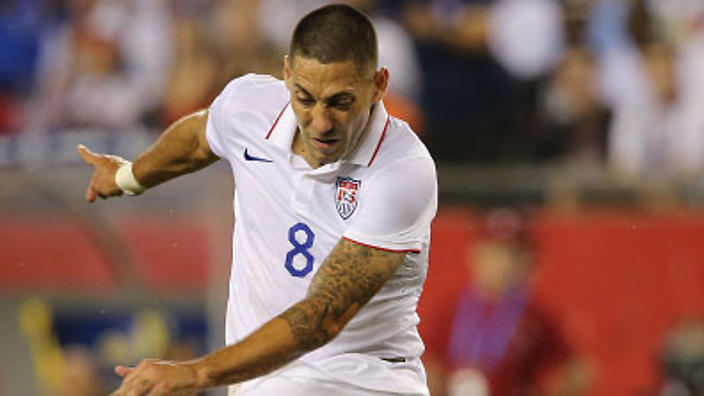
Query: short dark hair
[336,33]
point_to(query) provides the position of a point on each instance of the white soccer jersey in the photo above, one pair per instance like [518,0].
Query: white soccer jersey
[289,216]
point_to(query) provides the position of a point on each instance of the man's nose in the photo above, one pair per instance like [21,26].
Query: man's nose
[321,121]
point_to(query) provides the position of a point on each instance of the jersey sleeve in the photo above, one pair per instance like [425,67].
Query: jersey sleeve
[215,127]
[396,207]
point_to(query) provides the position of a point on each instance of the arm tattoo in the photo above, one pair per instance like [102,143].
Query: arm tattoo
[347,280]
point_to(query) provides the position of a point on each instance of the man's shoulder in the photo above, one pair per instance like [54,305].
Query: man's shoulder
[255,91]
[246,109]
[401,144]
[403,164]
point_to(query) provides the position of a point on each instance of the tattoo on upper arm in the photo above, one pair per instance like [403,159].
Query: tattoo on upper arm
[347,280]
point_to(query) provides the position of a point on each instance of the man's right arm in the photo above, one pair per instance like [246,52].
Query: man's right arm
[181,149]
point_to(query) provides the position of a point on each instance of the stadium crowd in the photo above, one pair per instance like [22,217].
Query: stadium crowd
[611,83]
[484,81]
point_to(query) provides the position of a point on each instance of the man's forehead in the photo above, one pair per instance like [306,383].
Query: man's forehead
[345,71]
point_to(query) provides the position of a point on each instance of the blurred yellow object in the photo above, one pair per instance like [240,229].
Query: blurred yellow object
[114,348]
[35,320]
[149,337]
[150,334]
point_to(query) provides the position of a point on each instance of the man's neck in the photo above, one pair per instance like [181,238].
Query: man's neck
[299,148]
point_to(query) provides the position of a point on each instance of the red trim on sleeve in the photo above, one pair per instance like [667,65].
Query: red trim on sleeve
[383,134]
[381,248]
[277,120]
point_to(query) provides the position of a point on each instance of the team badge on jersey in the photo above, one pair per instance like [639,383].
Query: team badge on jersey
[346,196]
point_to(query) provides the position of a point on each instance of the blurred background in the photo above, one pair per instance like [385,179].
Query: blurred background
[568,251]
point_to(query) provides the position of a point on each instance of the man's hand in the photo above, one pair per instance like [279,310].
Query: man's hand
[102,184]
[153,377]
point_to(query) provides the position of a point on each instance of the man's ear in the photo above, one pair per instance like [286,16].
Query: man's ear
[287,71]
[381,84]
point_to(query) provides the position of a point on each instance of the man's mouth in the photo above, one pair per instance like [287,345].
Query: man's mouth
[325,144]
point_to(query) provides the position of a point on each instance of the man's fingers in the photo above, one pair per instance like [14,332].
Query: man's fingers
[87,155]
[122,371]
[127,387]
[90,194]
[90,158]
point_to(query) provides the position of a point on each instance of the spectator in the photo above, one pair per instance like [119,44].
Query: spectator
[575,121]
[682,359]
[654,87]
[483,59]
[465,94]
[194,75]
[242,41]
[106,67]
[502,343]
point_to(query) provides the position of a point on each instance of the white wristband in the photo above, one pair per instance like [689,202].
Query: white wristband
[124,178]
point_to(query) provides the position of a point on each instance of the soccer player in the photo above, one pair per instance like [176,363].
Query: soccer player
[333,204]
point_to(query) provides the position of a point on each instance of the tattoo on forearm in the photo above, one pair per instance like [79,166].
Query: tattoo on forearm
[347,280]
[302,318]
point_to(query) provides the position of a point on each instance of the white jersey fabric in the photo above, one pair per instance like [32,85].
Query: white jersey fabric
[289,216]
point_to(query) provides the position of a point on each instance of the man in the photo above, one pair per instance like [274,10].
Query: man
[501,341]
[333,203]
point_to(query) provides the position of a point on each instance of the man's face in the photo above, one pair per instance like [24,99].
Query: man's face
[332,104]
[497,265]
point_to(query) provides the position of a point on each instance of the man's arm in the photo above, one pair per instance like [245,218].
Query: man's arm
[347,280]
[181,149]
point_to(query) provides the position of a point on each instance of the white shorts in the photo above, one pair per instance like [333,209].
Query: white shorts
[298,380]
[288,387]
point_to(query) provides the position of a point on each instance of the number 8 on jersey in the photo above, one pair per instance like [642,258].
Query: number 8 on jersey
[300,248]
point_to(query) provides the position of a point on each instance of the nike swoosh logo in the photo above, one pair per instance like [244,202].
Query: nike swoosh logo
[253,158]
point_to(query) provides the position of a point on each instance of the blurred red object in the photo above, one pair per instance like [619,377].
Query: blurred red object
[10,119]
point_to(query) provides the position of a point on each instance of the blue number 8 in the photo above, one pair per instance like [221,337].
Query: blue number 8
[299,248]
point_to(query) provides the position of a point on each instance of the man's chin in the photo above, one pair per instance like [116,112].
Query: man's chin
[323,158]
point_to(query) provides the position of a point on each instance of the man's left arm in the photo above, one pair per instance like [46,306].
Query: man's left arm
[347,279]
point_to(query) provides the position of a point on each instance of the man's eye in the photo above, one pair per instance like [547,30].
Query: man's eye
[342,105]
[306,101]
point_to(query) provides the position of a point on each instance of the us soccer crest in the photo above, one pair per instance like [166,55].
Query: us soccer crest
[346,196]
